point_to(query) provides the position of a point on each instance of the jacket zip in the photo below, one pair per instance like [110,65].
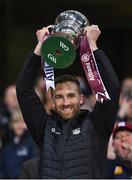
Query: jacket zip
[62,145]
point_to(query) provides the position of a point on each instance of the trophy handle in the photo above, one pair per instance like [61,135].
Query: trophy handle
[50,27]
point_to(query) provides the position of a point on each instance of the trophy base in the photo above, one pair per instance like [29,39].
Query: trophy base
[58,50]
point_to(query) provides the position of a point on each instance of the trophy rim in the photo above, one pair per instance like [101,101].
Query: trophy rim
[59,19]
[70,26]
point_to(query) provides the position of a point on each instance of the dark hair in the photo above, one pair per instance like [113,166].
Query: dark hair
[65,78]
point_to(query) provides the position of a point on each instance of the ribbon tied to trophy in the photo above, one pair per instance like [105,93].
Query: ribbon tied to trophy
[59,51]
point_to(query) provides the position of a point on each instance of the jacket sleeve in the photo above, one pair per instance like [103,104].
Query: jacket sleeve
[32,108]
[104,114]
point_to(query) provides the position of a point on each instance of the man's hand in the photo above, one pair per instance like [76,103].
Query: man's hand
[128,147]
[92,33]
[41,36]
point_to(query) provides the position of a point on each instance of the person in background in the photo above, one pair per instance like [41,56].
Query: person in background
[40,88]
[125,101]
[120,166]
[20,148]
[44,95]
[124,112]
[125,98]
[8,106]
[10,100]
[126,83]
[125,106]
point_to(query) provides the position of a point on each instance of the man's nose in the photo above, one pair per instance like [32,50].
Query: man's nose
[65,101]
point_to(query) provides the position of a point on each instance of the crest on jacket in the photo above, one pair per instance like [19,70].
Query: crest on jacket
[76,131]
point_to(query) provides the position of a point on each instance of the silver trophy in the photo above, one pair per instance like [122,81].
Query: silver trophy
[59,49]
[70,22]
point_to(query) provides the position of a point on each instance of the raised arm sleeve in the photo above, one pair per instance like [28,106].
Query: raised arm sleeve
[104,114]
[32,108]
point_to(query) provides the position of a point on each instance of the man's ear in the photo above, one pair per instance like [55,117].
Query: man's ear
[53,105]
[81,99]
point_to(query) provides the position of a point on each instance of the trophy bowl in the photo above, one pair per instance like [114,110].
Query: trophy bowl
[59,49]
[74,19]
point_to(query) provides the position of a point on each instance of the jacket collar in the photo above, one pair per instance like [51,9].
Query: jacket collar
[74,121]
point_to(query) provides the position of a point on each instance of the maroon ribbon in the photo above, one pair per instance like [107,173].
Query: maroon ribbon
[91,71]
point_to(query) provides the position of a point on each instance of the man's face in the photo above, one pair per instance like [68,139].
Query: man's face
[123,144]
[67,100]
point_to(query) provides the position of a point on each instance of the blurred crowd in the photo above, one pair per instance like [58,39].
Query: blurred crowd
[17,145]
[120,144]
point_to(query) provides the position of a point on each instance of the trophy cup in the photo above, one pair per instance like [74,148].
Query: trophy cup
[59,48]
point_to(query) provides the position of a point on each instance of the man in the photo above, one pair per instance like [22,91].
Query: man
[73,142]
[121,166]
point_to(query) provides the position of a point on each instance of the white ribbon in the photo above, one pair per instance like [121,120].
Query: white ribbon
[49,75]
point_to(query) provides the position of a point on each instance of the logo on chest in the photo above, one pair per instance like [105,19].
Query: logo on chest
[53,130]
[76,131]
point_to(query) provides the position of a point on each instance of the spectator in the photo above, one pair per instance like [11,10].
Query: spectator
[124,113]
[125,106]
[120,167]
[8,106]
[20,148]
[40,87]
[44,95]
[10,99]
[126,84]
